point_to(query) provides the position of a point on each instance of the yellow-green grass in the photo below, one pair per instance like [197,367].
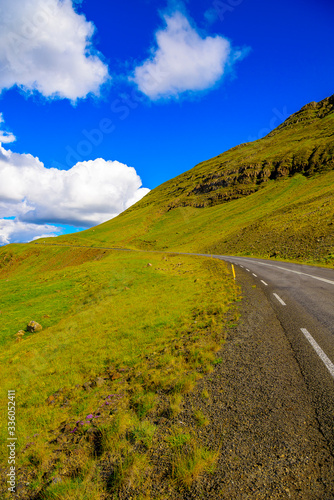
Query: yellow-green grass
[290,219]
[200,418]
[191,465]
[102,310]
[189,459]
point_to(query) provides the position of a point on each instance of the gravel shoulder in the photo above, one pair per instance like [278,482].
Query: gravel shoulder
[261,414]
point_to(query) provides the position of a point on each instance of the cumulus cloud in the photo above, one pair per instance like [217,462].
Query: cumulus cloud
[46,46]
[183,60]
[16,231]
[5,137]
[89,193]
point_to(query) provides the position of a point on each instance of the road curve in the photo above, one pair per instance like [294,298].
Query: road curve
[302,297]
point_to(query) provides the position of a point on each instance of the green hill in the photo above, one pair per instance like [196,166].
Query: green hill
[272,198]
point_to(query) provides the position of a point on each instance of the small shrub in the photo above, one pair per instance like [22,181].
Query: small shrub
[174,405]
[205,394]
[112,435]
[143,403]
[190,465]
[178,438]
[129,471]
[200,418]
[143,433]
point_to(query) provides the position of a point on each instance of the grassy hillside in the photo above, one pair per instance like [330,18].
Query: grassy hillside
[270,198]
[125,335]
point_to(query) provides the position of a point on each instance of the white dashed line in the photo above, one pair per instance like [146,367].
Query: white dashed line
[279,299]
[329,365]
[254,275]
[248,270]
[264,282]
[241,266]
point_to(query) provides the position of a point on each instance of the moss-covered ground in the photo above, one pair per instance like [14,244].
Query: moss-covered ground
[125,335]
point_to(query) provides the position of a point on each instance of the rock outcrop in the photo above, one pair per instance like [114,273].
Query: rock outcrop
[34,327]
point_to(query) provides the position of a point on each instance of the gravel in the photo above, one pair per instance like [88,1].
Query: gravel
[261,417]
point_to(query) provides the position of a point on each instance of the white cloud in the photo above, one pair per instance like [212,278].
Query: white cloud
[183,60]
[89,193]
[46,46]
[16,231]
[5,137]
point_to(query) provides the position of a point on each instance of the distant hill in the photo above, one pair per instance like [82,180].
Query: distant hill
[272,197]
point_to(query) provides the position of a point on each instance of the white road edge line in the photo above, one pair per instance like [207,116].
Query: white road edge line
[264,282]
[325,359]
[254,275]
[279,299]
[296,272]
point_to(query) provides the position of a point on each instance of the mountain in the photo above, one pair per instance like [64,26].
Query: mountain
[272,198]
[125,335]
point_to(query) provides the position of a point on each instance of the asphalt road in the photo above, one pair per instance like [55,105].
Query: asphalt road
[302,298]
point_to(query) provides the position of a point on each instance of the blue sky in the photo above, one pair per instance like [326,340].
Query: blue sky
[107,100]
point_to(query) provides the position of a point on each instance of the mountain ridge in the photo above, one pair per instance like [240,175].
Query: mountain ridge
[241,170]
[290,171]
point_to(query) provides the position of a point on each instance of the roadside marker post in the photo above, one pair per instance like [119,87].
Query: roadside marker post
[233,271]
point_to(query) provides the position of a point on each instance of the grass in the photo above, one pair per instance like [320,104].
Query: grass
[143,433]
[205,394]
[175,401]
[178,438]
[87,486]
[137,336]
[128,471]
[200,418]
[189,459]
[191,465]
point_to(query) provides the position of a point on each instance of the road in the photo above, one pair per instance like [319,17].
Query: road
[302,298]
